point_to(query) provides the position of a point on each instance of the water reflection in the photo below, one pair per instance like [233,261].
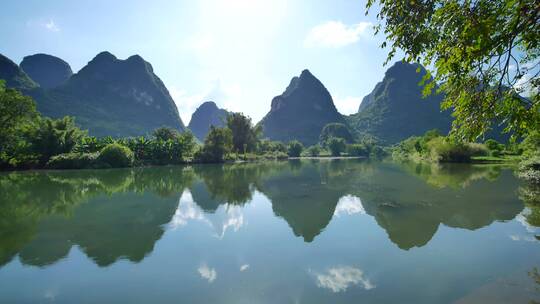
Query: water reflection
[530,217]
[411,209]
[121,214]
[349,205]
[207,273]
[338,279]
[223,217]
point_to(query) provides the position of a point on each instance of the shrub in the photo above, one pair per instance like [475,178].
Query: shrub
[493,145]
[294,149]
[280,155]
[157,151]
[275,155]
[443,150]
[314,150]
[377,151]
[531,144]
[73,161]
[529,169]
[336,146]
[265,146]
[495,153]
[476,149]
[495,148]
[357,150]
[116,156]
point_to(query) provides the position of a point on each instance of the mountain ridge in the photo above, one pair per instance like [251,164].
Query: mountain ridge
[46,70]
[305,95]
[396,108]
[108,96]
[14,76]
[206,115]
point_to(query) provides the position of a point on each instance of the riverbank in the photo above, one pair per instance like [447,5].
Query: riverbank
[506,159]
[236,160]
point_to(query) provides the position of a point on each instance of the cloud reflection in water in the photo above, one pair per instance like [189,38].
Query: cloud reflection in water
[226,216]
[338,279]
[348,205]
[207,273]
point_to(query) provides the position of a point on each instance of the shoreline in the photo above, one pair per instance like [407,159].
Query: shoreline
[258,160]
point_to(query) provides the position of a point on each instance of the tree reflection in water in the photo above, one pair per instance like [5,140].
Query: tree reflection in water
[121,214]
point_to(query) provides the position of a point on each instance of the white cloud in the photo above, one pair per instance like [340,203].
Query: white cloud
[348,105]
[244,267]
[524,85]
[338,279]
[335,34]
[186,103]
[349,205]
[51,26]
[207,273]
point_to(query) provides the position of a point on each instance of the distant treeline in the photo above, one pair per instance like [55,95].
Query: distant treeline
[31,141]
[433,147]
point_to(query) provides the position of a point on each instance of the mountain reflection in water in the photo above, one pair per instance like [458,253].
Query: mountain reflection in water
[121,214]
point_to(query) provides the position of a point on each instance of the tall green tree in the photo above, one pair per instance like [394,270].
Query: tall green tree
[17,112]
[294,148]
[336,145]
[165,133]
[335,130]
[217,144]
[483,53]
[244,134]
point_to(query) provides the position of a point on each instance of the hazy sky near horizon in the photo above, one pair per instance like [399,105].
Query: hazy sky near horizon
[238,53]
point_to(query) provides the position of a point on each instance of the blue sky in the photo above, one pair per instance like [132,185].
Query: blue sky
[239,53]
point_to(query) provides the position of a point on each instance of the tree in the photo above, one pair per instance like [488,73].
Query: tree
[16,113]
[484,53]
[531,144]
[495,148]
[336,145]
[294,149]
[266,146]
[314,150]
[217,144]
[335,129]
[358,150]
[54,136]
[244,134]
[165,133]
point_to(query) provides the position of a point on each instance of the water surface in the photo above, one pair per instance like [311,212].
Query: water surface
[317,231]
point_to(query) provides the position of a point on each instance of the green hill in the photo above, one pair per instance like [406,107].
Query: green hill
[301,111]
[48,71]
[14,76]
[206,115]
[395,109]
[108,96]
